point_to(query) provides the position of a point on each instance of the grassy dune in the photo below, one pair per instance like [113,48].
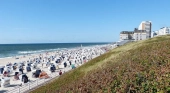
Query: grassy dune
[137,67]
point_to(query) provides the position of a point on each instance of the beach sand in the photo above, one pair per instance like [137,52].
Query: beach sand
[71,54]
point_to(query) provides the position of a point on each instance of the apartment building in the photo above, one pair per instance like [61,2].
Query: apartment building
[163,31]
[126,35]
[135,35]
[146,25]
[139,35]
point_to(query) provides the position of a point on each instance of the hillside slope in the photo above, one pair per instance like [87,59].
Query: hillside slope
[137,67]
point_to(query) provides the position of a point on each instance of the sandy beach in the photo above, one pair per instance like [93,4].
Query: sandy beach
[63,60]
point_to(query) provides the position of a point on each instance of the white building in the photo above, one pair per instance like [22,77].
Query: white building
[146,25]
[135,35]
[139,35]
[126,35]
[163,31]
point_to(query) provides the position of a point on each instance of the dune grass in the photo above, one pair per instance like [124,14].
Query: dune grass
[136,67]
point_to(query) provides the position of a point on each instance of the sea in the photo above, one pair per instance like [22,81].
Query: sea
[11,50]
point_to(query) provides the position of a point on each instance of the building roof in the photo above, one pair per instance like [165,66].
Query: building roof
[146,21]
[132,32]
[164,27]
[126,32]
[140,31]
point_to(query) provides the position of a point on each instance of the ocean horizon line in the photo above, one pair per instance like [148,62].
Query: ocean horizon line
[54,43]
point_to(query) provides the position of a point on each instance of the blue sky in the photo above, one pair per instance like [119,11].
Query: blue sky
[53,21]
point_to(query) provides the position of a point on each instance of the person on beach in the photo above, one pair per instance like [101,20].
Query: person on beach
[16,76]
[73,66]
[65,64]
[43,75]
[60,73]
[42,64]
[5,74]
[70,62]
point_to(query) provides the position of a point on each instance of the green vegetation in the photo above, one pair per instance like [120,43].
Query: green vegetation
[137,67]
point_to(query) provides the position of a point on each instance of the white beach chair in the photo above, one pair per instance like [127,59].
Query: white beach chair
[1,69]
[5,82]
[61,66]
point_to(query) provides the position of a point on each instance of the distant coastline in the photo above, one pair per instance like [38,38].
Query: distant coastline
[12,50]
